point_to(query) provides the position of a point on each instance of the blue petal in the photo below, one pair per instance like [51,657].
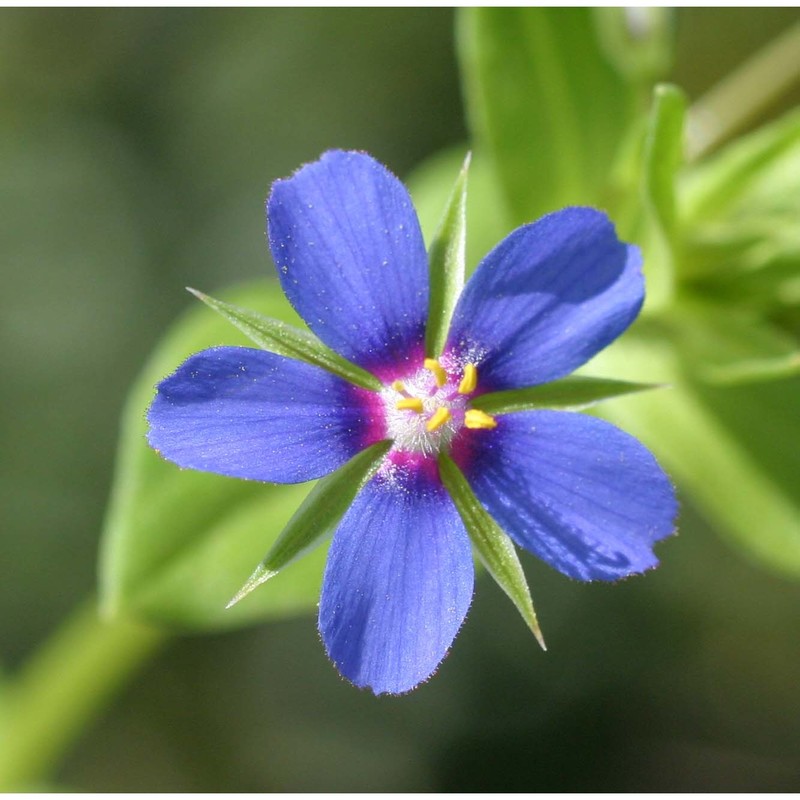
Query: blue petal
[546,299]
[398,581]
[584,496]
[351,259]
[251,414]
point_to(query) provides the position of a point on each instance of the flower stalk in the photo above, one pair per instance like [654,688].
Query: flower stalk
[64,686]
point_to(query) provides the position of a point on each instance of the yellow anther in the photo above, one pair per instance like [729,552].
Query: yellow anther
[438,371]
[398,387]
[474,418]
[440,416]
[469,381]
[409,404]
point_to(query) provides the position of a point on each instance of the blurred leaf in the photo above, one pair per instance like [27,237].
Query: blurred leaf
[637,40]
[723,346]
[741,212]
[4,703]
[663,156]
[772,285]
[486,219]
[178,544]
[495,548]
[733,453]
[285,340]
[712,188]
[447,255]
[318,515]
[572,393]
[545,102]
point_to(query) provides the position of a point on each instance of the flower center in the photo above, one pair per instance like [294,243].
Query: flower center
[425,410]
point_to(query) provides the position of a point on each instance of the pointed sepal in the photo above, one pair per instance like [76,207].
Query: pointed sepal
[286,340]
[446,257]
[568,394]
[317,516]
[494,548]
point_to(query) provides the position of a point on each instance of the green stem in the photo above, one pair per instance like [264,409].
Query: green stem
[64,685]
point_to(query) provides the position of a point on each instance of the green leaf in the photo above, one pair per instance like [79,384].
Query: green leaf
[545,103]
[318,515]
[286,340]
[446,257]
[495,549]
[572,393]
[178,543]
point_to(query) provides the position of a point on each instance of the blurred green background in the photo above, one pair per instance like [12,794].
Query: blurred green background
[137,148]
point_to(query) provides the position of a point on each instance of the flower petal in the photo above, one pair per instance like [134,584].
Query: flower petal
[546,299]
[251,414]
[398,581]
[584,496]
[351,259]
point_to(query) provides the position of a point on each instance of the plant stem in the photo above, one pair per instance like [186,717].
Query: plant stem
[63,686]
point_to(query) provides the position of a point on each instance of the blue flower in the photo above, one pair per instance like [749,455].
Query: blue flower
[574,490]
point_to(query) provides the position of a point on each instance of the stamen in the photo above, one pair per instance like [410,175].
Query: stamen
[474,418]
[469,381]
[439,418]
[438,371]
[399,387]
[409,404]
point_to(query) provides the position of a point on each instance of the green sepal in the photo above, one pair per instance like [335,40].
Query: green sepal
[176,542]
[570,394]
[429,185]
[446,257]
[494,547]
[286,340]
[317,516]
